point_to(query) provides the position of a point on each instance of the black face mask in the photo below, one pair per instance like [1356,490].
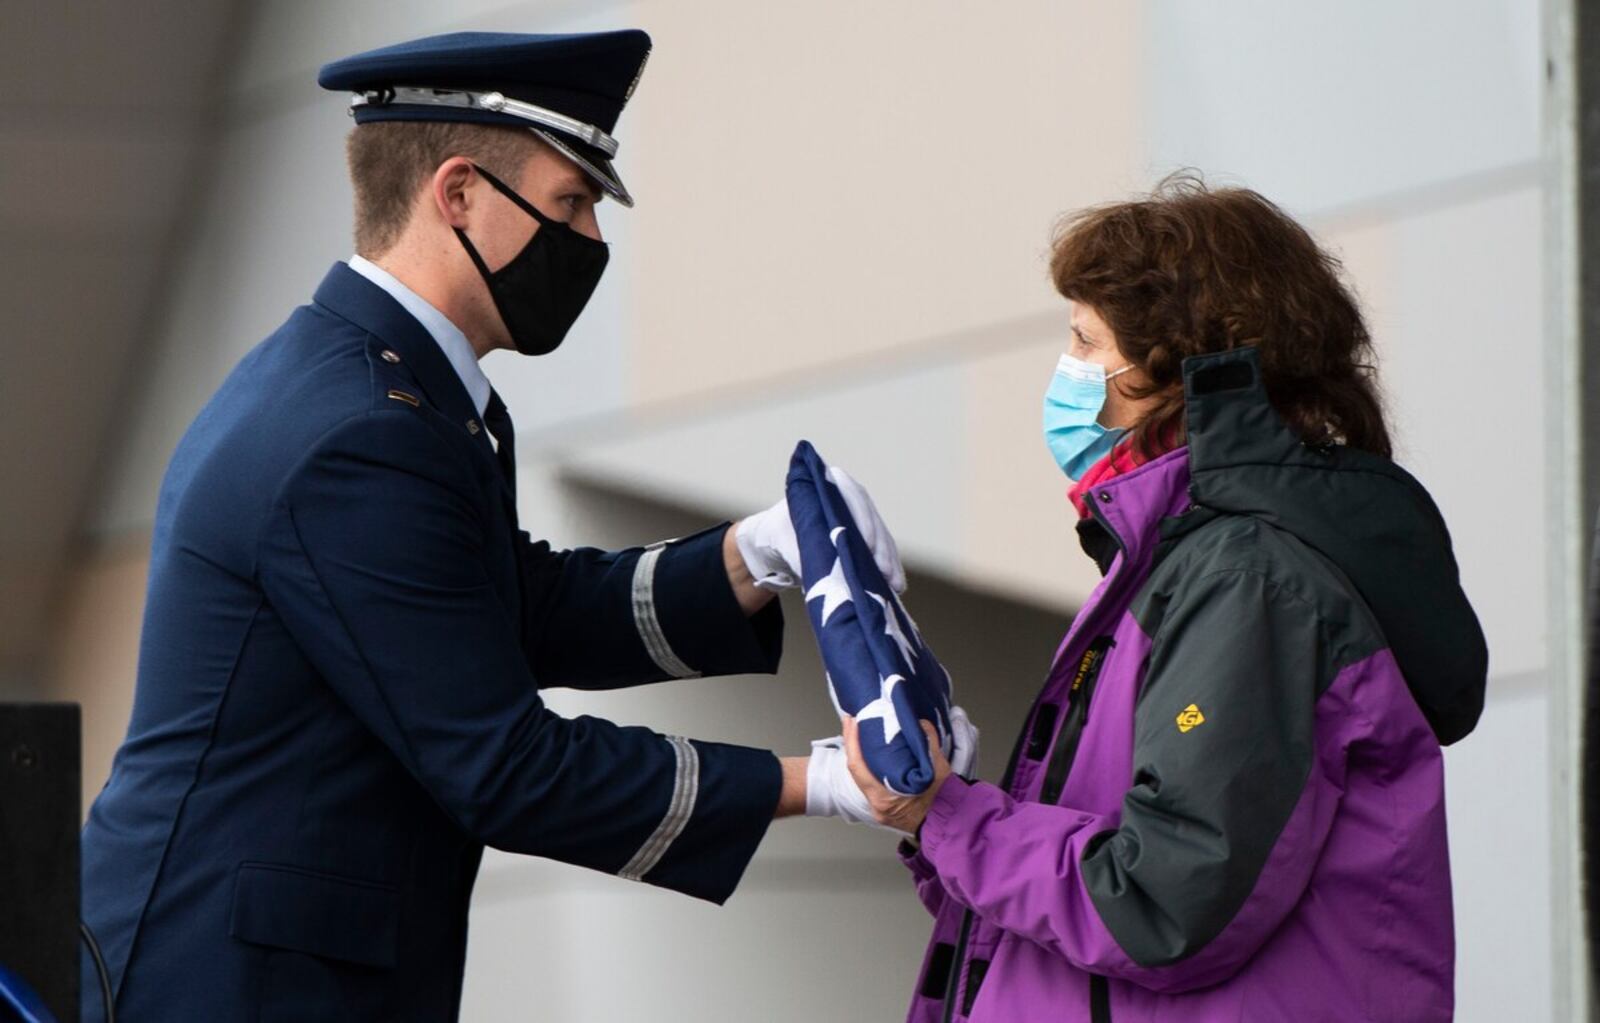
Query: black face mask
[545,286]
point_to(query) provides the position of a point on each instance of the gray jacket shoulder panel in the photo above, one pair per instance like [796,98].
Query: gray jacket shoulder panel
[1303,577]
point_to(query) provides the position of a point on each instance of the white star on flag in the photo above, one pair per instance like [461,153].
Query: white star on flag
[833,588]
[892,629]
[882,709]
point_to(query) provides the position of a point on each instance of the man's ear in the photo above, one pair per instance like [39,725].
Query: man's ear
[450,191]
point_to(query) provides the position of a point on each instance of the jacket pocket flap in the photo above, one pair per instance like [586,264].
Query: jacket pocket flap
[320,914]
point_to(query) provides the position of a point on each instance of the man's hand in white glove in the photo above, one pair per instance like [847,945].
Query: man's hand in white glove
[831,791]
[767,542]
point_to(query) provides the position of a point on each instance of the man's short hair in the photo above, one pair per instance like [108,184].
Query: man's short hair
[390,160]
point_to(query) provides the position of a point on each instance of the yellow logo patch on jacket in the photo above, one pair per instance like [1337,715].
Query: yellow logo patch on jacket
[1190,718]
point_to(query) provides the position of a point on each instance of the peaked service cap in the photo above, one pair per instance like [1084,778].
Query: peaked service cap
[568,90]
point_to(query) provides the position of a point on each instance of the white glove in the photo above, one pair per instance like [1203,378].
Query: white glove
[963,744]
[772,553]
[832,792]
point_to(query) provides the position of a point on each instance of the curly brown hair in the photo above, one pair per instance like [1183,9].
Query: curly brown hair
[1189,270]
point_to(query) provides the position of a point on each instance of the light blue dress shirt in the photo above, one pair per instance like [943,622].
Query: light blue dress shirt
[447,335]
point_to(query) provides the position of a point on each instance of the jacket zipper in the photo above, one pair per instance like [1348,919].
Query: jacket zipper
[1099,999]
[1099,993]
[955,968]
[1062,755]
[1066,747]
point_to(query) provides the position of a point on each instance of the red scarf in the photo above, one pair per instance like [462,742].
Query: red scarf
[1123,458]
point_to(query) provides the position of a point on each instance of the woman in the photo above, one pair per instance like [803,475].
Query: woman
[1228,800]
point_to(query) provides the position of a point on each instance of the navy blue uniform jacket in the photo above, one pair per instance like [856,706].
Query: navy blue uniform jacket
[338,702]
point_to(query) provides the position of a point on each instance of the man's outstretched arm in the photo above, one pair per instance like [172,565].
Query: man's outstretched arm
[374,560]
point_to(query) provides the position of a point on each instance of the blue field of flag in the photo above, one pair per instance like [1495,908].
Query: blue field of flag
[879,670]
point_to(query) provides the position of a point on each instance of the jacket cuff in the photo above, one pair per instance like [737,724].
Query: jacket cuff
[737,795]
[916,862]
[940,823]
[700,616]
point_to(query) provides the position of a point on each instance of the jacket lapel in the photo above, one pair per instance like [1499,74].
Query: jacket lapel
[352,297]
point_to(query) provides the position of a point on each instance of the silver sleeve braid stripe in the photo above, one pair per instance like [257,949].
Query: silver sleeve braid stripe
[648,623]
[685,788]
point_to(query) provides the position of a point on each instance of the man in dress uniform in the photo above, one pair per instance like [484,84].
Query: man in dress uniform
[338,700]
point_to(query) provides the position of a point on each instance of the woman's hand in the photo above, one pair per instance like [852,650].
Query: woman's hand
[902,813]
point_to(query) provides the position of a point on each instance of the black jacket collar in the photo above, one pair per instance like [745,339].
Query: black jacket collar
[1365,514]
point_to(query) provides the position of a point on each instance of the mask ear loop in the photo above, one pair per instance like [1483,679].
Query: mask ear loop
[466,243]
[522,204]
[510,193]
[472,252]
[531,210]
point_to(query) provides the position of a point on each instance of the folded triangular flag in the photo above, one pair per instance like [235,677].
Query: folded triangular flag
[879,670]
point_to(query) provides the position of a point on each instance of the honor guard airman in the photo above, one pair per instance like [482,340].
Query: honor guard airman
[347,634]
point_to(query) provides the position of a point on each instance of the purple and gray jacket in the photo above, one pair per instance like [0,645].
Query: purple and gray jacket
[1228,800]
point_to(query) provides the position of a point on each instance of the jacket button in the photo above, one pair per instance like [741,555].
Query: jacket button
[472,427]
[390,356]
[1104,497]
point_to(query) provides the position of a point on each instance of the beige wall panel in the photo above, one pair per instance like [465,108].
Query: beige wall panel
[1465,378]
[899,433]
[1020,530]
[1451,297]
[1366,248]
[820,180]
[97,650]
[1500,873]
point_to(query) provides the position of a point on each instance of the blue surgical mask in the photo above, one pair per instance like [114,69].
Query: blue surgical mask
[1072,407]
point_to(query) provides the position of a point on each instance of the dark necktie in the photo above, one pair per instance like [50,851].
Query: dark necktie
[498,420]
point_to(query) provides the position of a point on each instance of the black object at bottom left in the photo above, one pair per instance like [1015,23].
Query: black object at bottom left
[40,816]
